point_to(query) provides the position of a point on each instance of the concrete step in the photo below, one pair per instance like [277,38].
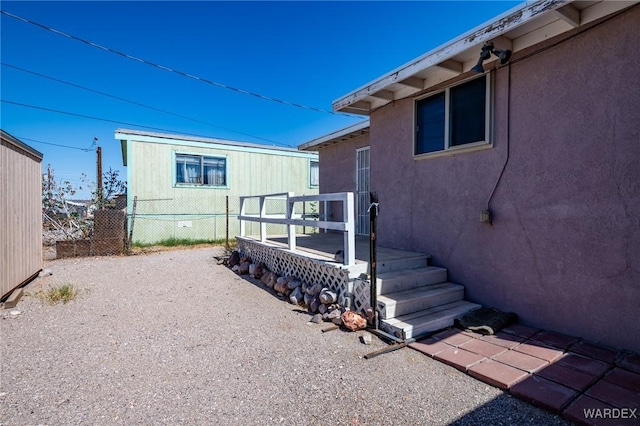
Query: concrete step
[394,281]
[418,323]
[412,261]
[392,305]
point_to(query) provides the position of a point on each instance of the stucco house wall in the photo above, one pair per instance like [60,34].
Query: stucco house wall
[563,251]
[338,170]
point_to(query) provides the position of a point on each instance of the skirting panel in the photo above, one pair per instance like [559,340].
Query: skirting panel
[312,271]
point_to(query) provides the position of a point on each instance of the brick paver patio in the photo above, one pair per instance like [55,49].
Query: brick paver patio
[586,383]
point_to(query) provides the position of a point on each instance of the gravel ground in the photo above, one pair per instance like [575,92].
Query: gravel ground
[173,338]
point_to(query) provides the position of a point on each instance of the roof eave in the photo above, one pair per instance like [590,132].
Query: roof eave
[340,135]
[20,145]
[128,134]
[378,93]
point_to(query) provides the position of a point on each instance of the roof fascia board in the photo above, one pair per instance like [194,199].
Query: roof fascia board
[21,146]
[212,145]
[334,135]
[161,136]
[484,32]
[124,150]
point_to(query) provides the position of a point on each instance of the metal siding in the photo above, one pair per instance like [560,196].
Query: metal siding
[152,176]
[20,218]
[250,173]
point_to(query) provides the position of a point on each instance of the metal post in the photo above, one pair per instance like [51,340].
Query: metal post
[133,218]
[99,177]
[373,256]
[227,233]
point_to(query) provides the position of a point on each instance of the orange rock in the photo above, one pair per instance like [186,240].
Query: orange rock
[353,321]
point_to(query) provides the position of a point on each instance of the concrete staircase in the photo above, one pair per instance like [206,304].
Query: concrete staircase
[414,298]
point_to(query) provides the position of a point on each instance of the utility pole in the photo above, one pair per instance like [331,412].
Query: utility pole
[49,187]
[49,178]
[99,177]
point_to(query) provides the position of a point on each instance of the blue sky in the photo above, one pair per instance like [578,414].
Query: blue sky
[309,53]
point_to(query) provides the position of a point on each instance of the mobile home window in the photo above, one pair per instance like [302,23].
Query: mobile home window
[314,173]
[456,117]
[201,170]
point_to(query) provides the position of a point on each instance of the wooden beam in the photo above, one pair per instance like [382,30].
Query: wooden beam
[502,42]
[387,95]
[357,111]
[569,14]
[13,300]
[451,65]
[415,82]
[361,106]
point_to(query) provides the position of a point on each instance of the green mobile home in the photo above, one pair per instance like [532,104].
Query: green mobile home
[181,187]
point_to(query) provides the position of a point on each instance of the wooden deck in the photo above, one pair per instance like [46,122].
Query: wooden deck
[326,245]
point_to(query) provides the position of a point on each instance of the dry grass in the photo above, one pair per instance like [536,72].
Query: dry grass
[181,245]
[65,293]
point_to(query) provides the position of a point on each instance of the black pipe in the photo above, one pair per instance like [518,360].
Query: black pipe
[373,256]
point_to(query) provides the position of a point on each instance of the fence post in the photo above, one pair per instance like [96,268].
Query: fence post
[133,218]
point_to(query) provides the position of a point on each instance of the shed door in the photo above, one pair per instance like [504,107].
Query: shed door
[362,191]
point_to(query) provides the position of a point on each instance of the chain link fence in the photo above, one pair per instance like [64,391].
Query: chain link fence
[206,219]
[81,230]
[163,220]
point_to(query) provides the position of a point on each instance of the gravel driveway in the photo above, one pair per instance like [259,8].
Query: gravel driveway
[173,338]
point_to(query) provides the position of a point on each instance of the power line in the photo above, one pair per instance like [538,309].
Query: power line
[89,116]
[138,103]
[83,116]
[184,74]
[56,144]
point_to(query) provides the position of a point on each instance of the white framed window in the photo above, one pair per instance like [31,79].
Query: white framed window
[457,117]
[201,170]
[314,173]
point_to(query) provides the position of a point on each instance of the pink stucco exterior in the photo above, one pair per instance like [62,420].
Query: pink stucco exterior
[338,170]
[563,251]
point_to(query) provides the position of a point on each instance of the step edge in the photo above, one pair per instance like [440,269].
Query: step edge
[424,269]
[421,291]
[462,305]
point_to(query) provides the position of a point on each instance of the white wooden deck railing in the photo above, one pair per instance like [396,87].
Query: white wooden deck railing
[291,219]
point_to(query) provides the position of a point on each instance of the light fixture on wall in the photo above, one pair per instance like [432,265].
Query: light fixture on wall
[485,53]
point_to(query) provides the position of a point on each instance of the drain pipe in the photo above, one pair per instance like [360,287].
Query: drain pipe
[487,215]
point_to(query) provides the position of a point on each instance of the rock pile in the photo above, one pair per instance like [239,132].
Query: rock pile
[321,302]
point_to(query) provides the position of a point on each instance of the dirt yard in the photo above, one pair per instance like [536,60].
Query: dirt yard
[173,338]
